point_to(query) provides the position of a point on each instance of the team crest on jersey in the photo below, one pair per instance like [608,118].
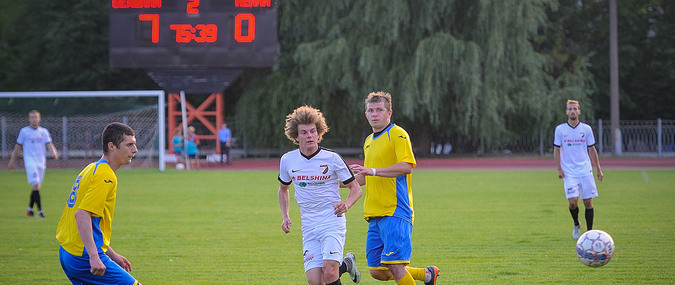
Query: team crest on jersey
[325,168]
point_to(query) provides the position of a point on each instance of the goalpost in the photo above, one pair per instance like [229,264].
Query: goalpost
[73,135]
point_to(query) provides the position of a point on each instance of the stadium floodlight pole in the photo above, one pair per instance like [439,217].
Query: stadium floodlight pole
[85,94]
[184,119]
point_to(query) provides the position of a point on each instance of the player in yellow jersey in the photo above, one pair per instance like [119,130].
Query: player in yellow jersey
[388,205]
[85,227]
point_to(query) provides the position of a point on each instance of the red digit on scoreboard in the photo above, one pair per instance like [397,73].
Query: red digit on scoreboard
[192,7]
[154,18]
[238,30]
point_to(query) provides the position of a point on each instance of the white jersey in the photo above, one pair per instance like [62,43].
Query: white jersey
[33,142]
[574,143]
[316,180]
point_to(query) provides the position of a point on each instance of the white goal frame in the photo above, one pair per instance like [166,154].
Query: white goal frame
[160,94]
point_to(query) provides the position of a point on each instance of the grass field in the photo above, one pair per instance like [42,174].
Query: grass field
[478,227]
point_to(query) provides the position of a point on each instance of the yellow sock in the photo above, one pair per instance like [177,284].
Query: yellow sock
[406,280]
[417,273]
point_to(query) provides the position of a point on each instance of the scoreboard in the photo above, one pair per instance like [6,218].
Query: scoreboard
[192,34]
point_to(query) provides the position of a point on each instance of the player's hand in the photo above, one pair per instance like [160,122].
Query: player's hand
[340,208]
[600,175]
[358,169]
[561,174]
[286,225]
[122,262]
[97,267]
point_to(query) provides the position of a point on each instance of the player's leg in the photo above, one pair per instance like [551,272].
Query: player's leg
[332,238]
[314,276]
[35,175]
[35,194]
[589,213]
[374,247]
[571,186]
[312,259]
[396,235]
[331,270]
[588,192]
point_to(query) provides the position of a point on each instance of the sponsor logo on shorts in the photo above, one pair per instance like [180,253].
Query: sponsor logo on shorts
[308,257]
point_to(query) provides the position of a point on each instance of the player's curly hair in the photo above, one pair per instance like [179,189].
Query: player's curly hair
[304,115]
[379,96]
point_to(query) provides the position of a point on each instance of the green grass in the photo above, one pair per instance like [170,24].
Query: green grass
[478,227]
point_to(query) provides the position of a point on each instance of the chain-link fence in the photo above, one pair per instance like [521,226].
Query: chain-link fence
[79,137]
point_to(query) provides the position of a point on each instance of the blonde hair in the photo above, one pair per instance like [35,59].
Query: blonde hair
[570,101]
[380,96]
[304,115]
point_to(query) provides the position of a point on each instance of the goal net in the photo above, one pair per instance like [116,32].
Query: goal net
[76,120]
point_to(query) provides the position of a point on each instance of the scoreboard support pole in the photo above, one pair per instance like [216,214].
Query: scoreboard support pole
[212,120]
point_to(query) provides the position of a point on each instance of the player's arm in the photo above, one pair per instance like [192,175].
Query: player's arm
[284,205]
[355,193]
[17,150]
[556,156]
[359,178]
[83,220]
[119,259]
[53,149]
[595,162]
[395,170]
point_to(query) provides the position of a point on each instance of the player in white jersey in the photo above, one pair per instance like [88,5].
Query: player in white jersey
[31,141]
[316,174]
[575,156]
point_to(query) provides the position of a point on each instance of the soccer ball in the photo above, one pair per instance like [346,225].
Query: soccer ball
[180,166]
[595,248]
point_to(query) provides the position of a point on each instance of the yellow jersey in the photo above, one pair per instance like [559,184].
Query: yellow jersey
[95,191]
[388,196]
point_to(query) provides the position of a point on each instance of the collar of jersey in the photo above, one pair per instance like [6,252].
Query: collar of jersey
[313,154]
[376,135]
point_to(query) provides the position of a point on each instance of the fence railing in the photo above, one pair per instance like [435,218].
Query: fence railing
[655,137]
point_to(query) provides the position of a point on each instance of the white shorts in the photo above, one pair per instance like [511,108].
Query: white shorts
[35,173]
[580,187]
[323,243]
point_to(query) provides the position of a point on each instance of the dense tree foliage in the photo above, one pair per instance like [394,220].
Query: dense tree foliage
[646,53]
[60,45]
[462,69]
[476,72]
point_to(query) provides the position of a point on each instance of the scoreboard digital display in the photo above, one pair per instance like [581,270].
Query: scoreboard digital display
[192,34]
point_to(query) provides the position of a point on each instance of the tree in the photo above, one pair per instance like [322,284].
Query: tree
[646,56]
[466,69]
[60,45]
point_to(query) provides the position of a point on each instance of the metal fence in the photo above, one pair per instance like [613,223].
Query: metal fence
[654,138]
[638,138]
[80,136]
